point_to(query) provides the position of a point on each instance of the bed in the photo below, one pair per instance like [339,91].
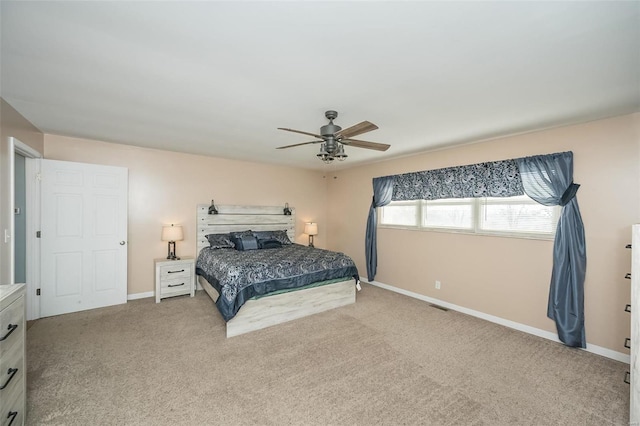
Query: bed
[254,289]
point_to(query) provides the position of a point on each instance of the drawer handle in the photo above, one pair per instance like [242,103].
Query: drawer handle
[11,329]
[12,415]
[175,272]
[627,378]
[628,276]
[627,308]
[175,285]
[12,372]
[627,343]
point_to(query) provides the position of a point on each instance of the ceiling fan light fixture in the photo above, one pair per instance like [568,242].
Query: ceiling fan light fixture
[340,154]
[323,154]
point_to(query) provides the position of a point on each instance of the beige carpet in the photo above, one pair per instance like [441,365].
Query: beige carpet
[388,360]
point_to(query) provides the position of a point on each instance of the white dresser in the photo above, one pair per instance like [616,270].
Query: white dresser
[634,407]
[13,378]
[175,277]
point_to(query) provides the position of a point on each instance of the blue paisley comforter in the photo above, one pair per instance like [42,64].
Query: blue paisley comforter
[240,275]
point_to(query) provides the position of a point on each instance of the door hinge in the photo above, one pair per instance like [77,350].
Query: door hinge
[37,292]
[38,177]
[38,234]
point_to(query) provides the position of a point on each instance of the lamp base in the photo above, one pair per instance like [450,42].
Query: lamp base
[171,254]
[311,241]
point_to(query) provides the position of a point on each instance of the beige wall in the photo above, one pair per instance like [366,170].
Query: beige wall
[508,277]
[165,187]
[12,124]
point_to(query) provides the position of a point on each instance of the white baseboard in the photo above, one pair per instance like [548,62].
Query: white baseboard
[599,350]
[135,296]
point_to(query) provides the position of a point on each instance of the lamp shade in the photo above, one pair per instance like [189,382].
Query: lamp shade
[311,228]
[172,233]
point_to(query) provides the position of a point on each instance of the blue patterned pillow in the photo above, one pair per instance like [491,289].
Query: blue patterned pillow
[219,241]
[246,242]
[269,243]
[236,236]
[280,236]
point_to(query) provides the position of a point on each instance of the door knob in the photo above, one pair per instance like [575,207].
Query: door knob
[122,243]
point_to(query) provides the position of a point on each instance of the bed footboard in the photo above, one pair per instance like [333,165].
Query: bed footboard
[260,313]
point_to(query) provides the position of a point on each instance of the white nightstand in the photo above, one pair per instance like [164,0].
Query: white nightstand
[175,277]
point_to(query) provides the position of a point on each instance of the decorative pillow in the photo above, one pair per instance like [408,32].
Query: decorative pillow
[273,235]
[267,244]
[246,242]
[282,237]
[235,236]
[219,241]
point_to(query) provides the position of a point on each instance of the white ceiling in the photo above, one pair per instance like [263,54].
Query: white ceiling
[218,78]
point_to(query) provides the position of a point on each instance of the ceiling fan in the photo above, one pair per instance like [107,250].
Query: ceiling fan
[333,138]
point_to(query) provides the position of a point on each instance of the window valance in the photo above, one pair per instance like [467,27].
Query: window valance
[493,179]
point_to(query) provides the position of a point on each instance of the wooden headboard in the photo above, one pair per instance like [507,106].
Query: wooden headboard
[241,218]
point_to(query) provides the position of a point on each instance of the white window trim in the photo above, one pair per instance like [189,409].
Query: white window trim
[475,229]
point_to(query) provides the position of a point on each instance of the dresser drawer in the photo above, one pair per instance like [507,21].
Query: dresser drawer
[11,374]
[13,414]
[175,272]
[11,326]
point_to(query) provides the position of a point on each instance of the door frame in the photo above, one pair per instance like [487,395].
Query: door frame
[32,189]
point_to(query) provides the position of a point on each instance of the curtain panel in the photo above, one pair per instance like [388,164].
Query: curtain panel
[547,179]
[382,191]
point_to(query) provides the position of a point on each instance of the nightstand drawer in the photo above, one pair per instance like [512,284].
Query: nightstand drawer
[171,272]
[175,285]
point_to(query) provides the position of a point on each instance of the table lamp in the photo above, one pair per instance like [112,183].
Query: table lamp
[172,233]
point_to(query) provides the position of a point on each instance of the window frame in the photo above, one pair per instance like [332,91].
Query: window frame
[476,211]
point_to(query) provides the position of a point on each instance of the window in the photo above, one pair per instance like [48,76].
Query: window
[452,213]
[510,216]
[517,214]
[399,213]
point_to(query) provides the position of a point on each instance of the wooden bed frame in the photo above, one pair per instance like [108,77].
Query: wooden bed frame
[256,314]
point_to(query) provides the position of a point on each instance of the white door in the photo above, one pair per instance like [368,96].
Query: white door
[84,235]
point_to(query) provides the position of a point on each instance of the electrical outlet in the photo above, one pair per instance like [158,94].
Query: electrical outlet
[437,285]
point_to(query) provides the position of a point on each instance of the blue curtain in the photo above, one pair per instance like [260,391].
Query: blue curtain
[548,179]
[382,193]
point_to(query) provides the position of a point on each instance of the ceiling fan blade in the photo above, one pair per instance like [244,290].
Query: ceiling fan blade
[365,144]
[298,144]
[357,129]
[301,132]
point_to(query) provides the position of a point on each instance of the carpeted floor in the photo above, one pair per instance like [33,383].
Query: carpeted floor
[388,360]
